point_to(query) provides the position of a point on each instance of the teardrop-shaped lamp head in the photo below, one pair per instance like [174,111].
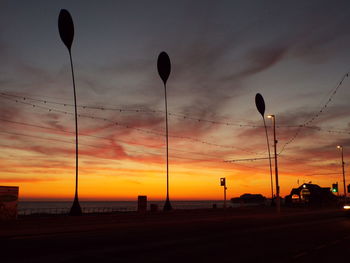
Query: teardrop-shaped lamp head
[260,103]
[66,28]
[164,66]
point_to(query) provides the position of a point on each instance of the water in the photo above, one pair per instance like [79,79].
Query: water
[62,207]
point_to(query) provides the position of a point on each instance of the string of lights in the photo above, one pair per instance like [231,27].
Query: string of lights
[129,150]
[79,106]
[338,131]
[316,115]
[45,138]
[152,132]
[134,151]
[121,110]
[178,115]
[247,159]
[24,100]
[105,138]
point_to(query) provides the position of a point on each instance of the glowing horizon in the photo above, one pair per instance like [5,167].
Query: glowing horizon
[220,59]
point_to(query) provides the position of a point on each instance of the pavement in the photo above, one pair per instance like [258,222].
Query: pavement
[231,235]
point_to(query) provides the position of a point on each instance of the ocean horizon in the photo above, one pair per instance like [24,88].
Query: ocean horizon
[60,207]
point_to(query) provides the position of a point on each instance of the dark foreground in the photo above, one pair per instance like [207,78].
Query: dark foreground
[232,235]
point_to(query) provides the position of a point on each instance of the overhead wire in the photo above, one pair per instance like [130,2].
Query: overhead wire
[152,132]
[64,141]
[103,108]
[316,115]
[102,137]
[299,127]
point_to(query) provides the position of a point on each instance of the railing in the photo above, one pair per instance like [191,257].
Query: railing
[65,210]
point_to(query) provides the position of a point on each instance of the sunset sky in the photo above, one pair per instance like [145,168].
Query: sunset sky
[295,53]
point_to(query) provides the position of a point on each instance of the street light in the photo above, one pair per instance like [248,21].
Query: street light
[278,203]
[164,68]
[342,163]
[66,30]
[260,105]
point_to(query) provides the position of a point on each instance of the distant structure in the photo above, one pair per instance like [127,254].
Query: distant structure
[310,194]
[8,202]
[142,203]
[253,199]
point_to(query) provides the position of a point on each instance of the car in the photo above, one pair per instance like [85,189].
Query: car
[346,209]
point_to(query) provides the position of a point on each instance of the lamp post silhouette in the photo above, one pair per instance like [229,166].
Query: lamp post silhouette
[164,68]
[342,164]
[278,203]
[260,105]
[66,30]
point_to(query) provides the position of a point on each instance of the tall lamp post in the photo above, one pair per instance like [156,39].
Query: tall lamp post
[342,164]
[164,68]
[66,30]
[278,201]
[260,105]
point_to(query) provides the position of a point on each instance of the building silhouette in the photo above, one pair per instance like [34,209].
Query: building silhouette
[310,195]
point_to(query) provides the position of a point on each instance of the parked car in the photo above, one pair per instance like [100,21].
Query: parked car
[346,209]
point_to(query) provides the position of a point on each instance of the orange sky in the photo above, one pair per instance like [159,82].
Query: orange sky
[44,169]
[292,54]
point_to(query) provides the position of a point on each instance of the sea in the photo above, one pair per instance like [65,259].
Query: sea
[62,207]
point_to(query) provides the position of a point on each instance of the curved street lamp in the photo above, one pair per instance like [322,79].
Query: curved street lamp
[260,105]
[164,68]
[66,30]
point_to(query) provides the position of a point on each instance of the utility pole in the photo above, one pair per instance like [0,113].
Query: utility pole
[278,203]
[343,164]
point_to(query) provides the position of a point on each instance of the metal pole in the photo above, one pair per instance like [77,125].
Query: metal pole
[225,188]
[268,149]
[276,166]
[76,129]
[167,205]
[76,209]
[66,30]
[342,161]
[338,190]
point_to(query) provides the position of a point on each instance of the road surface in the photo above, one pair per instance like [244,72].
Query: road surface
[181,236]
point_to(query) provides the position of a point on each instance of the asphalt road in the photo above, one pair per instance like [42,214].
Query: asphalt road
[197,236]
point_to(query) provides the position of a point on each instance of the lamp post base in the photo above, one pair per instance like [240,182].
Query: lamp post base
[75,209]
[167,206]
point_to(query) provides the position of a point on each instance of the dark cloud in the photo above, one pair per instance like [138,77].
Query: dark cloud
[27,180]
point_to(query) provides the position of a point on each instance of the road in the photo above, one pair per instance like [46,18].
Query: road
[181,236]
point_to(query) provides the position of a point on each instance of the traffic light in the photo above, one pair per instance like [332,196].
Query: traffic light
[223,181]
[348,188]
[335,188]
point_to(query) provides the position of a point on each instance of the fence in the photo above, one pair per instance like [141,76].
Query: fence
[65,210]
